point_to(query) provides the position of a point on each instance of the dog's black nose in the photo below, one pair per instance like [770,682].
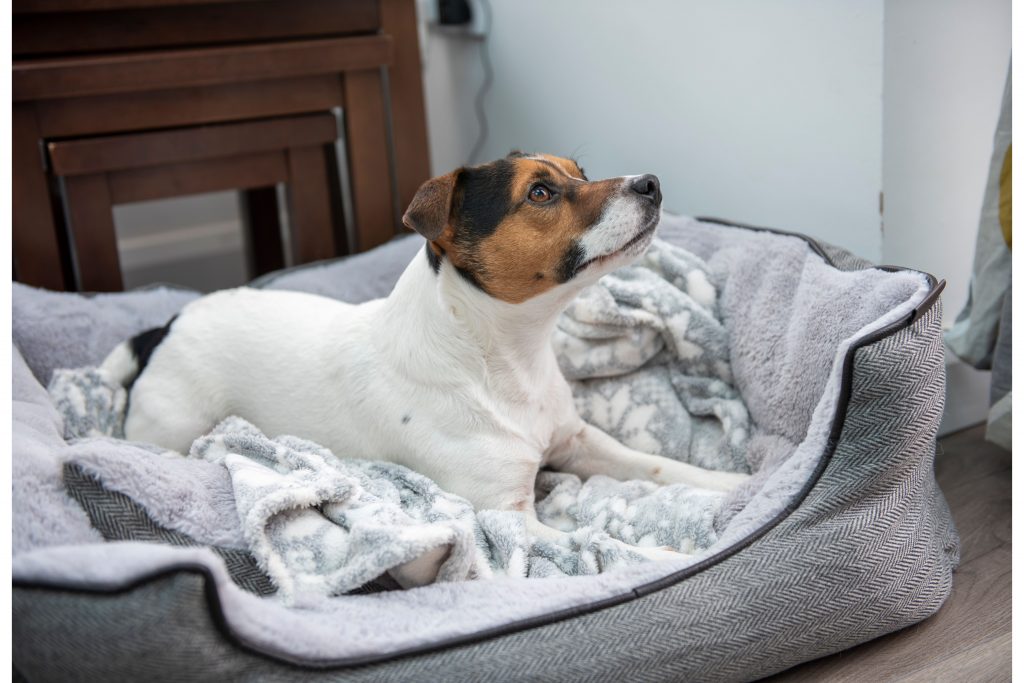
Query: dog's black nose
[648,186]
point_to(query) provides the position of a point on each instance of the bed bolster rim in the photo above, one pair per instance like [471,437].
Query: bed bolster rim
[845,393]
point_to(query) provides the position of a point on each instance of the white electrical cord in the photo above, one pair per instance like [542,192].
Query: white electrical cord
[485,60]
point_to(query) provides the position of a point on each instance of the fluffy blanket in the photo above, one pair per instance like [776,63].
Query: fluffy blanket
[648,357]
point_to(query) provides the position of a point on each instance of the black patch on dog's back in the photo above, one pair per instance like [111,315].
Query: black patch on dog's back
[144,344]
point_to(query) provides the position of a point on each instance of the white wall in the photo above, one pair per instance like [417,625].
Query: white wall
[762,112]
[765,112]
[945,68]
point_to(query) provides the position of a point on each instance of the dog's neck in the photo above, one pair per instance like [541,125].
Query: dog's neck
[442,319]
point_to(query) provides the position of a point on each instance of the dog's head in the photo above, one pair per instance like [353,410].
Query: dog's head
[525,224]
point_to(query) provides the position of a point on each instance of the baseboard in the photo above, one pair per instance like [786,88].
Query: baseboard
[180,244]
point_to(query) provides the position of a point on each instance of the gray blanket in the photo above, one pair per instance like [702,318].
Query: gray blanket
[648,356]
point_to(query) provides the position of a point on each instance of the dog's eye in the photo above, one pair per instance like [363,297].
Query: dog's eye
[540,194]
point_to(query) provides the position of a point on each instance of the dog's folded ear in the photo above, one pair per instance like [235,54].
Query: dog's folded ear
[430,209]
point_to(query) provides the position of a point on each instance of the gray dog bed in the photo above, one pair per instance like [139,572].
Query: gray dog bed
[841,538]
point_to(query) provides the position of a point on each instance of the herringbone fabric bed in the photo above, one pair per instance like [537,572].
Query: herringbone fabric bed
[869,550]
[118,518]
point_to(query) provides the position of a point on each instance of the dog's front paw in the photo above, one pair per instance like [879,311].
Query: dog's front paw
[661,553]
[727,481]
[422,570]
[665,471]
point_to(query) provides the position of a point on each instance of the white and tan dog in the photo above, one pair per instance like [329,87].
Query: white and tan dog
[453,374]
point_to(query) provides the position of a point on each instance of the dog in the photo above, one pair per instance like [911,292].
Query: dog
[453,374]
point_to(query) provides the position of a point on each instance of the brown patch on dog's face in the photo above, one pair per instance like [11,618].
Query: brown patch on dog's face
[515,227]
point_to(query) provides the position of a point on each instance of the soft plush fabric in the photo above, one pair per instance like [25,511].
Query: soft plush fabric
[320,526]
[44,514]
[53,330]
[982,332]
[976,328]
[649,359]
[869,550]
[650,356]
[118,518]
[791,319]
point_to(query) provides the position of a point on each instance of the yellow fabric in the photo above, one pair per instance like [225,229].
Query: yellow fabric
[1006,198]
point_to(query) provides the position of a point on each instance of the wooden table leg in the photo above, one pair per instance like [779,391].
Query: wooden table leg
[35,244]
[262,224]
[368,158]
[93,238]
[342,241]
[405,86]
[309,205]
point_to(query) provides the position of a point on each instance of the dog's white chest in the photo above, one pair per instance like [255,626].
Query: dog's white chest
[539,416]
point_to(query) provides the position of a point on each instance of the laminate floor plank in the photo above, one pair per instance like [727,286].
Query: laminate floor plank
[988,661]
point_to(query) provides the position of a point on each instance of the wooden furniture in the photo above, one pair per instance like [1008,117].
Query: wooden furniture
[91,77]
[98,172]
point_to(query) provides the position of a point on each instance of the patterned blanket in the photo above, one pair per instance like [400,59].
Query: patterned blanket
[647,355]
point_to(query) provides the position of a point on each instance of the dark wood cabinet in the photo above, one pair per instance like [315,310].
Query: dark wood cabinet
[124,100]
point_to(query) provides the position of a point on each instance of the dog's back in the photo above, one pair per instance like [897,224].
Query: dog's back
[224,355]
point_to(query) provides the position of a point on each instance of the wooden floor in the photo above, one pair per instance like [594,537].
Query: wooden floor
[969,639]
